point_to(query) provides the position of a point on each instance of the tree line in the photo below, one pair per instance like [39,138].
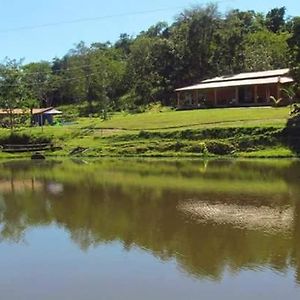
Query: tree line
[136,71]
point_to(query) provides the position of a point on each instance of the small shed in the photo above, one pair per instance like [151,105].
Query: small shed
[40,116]
[44,115]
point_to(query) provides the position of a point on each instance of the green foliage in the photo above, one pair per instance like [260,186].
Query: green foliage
[229,40]
[266,50]
[291,132]
[290,92]
[294,44]
[41,82]
[193,34]
[23,139]
[137,71]
[219,147]
[275,19]
[13,92]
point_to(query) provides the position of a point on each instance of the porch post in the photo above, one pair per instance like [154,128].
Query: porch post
[197,97]
[267,93]
[278,91]
[237,94]
[255,94]
[215,97]
[178,99]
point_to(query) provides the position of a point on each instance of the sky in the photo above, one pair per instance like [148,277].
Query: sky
[25,30]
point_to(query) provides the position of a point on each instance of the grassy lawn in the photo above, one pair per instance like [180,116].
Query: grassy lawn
[199,119]
[121,123]
[122,134]
[174,120]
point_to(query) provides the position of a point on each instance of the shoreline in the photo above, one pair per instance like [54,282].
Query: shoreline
[177,156]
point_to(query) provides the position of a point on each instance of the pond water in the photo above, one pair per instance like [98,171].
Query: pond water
[150,229]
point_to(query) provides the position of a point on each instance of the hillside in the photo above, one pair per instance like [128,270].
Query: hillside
[198,119]
[237,131]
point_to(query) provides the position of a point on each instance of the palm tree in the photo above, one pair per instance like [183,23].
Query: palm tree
[290,91]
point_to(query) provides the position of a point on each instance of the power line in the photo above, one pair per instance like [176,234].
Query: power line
[84,20]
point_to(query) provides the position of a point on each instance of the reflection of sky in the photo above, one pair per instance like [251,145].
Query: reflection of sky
[48,265]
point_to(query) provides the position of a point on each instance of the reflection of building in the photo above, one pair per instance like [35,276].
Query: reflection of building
[19,185]
[245,89]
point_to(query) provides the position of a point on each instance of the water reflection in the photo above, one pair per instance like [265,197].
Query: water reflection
[138,203]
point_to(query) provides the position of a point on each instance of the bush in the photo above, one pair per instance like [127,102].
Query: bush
[197,148]
[144,134]
[291,133]
[219,147]
[23,139]
[170,146]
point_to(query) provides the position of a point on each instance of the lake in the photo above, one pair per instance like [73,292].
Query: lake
[150,229]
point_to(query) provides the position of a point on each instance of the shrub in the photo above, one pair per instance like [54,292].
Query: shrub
[177,146]
[170,146]
[21,139]
[291,133]
[219,147]
[197,148]
[144,134]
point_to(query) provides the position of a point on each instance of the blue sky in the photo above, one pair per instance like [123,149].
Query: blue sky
[48,42]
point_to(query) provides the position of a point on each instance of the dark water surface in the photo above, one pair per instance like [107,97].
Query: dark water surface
[127,229]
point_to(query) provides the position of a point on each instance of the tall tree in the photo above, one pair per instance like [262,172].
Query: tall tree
[41,81]
[12,89]
[192,35]
[294,44]
[275,19]
[265,50]
[150,69]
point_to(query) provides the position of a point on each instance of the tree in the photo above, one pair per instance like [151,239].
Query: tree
[41,82]
[92,74]
[192,35]
[123,43]
[228,43]
[291,133]
[13,91]
[158,30]
[290,92]
[275,20]
[265,50]
[150,70]
[294,45]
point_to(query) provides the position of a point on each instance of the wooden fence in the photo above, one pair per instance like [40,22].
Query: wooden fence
[26,148]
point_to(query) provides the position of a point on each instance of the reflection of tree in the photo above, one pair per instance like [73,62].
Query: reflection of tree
[22,211]
[292,176]
[101,212]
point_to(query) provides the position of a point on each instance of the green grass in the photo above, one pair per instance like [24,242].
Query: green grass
[198,119]
[253,132]
[278,152]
